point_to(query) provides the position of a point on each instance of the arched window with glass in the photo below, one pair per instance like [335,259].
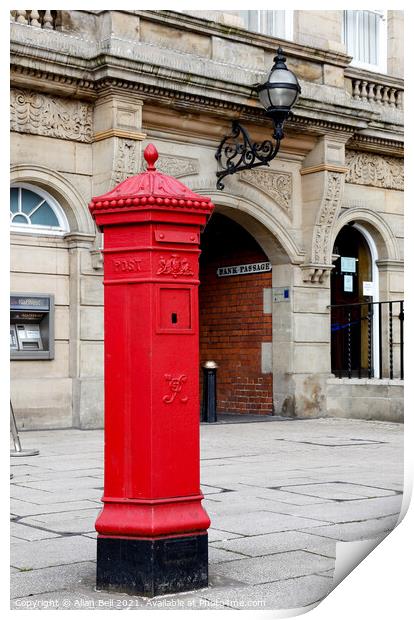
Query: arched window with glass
[35,211]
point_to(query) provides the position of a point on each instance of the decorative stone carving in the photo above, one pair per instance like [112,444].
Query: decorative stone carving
[126,162]
[315,273]
[277,185]
[176,166]
[327,214]
[46,115]
[375,170]
[317,269]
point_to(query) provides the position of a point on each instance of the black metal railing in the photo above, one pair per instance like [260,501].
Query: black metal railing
[366,335]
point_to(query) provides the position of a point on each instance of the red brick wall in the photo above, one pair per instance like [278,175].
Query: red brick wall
[232,323]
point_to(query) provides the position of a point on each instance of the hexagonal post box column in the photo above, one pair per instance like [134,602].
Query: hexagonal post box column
[152,530]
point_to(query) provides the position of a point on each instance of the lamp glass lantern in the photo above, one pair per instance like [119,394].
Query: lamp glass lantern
[280,91]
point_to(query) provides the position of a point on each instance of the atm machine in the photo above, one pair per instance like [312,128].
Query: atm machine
[31,326]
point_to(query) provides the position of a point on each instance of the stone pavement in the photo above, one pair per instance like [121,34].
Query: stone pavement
[279,493]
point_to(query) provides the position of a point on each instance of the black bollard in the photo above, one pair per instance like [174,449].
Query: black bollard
[209,412]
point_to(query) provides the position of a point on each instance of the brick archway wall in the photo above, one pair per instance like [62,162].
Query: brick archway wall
[233,324]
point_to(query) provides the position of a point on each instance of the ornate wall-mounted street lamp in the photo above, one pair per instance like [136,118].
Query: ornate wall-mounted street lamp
[277,95]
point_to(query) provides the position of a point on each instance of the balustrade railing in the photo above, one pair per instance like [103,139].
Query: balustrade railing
[39,19]
[382,90]
[367,340]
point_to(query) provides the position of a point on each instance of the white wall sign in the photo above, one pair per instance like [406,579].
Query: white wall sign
[243,270]
[368,289]
[348,284]
[348,264]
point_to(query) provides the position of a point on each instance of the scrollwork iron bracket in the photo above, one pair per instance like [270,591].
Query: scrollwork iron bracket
[238,152]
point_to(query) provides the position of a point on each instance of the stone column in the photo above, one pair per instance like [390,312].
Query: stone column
[323,177]
[117,137]
[391,284]
[86,338]
[301,343]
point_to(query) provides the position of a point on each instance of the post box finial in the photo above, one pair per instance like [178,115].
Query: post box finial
[151,156]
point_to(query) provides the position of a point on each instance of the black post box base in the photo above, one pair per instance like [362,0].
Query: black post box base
[149,567]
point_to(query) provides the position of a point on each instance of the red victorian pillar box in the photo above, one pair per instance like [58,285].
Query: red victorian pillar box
[152,530]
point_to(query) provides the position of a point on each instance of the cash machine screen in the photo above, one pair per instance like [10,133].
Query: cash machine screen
[30,327]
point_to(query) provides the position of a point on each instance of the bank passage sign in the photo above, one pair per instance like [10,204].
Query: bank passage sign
[243,270]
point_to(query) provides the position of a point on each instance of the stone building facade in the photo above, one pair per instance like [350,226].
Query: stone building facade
[89,90]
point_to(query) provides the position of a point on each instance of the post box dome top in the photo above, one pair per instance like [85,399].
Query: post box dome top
[150,189]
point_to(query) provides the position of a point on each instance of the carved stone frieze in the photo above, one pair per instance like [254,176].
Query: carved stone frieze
[374,170]
[176,166]
[126,162]
[46,115]
[277,185]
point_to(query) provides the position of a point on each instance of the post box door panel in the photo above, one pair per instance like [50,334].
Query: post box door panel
[175,313]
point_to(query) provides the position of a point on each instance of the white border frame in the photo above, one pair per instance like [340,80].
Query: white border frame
[35,229]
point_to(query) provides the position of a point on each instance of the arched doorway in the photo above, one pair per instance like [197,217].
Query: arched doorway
[235,319]
[354,283]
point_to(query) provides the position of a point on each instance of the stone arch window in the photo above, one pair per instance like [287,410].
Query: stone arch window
[34,210]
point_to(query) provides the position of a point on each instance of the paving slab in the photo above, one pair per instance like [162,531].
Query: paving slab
[287,497]
[28,509]
[47,519]
[74,482]
[356,510]
[358,530]
[337,490]
[24,532]
[277,566]
[220,535]
[267,544]
[53,552]
[261,522]
[65,577]
[217,555]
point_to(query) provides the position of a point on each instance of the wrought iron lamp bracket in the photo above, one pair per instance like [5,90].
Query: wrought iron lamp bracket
[237,151]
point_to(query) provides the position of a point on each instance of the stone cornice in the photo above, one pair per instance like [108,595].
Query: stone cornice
[90,90]
[390,265]
[377,144]
[53,81]
[78,239]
